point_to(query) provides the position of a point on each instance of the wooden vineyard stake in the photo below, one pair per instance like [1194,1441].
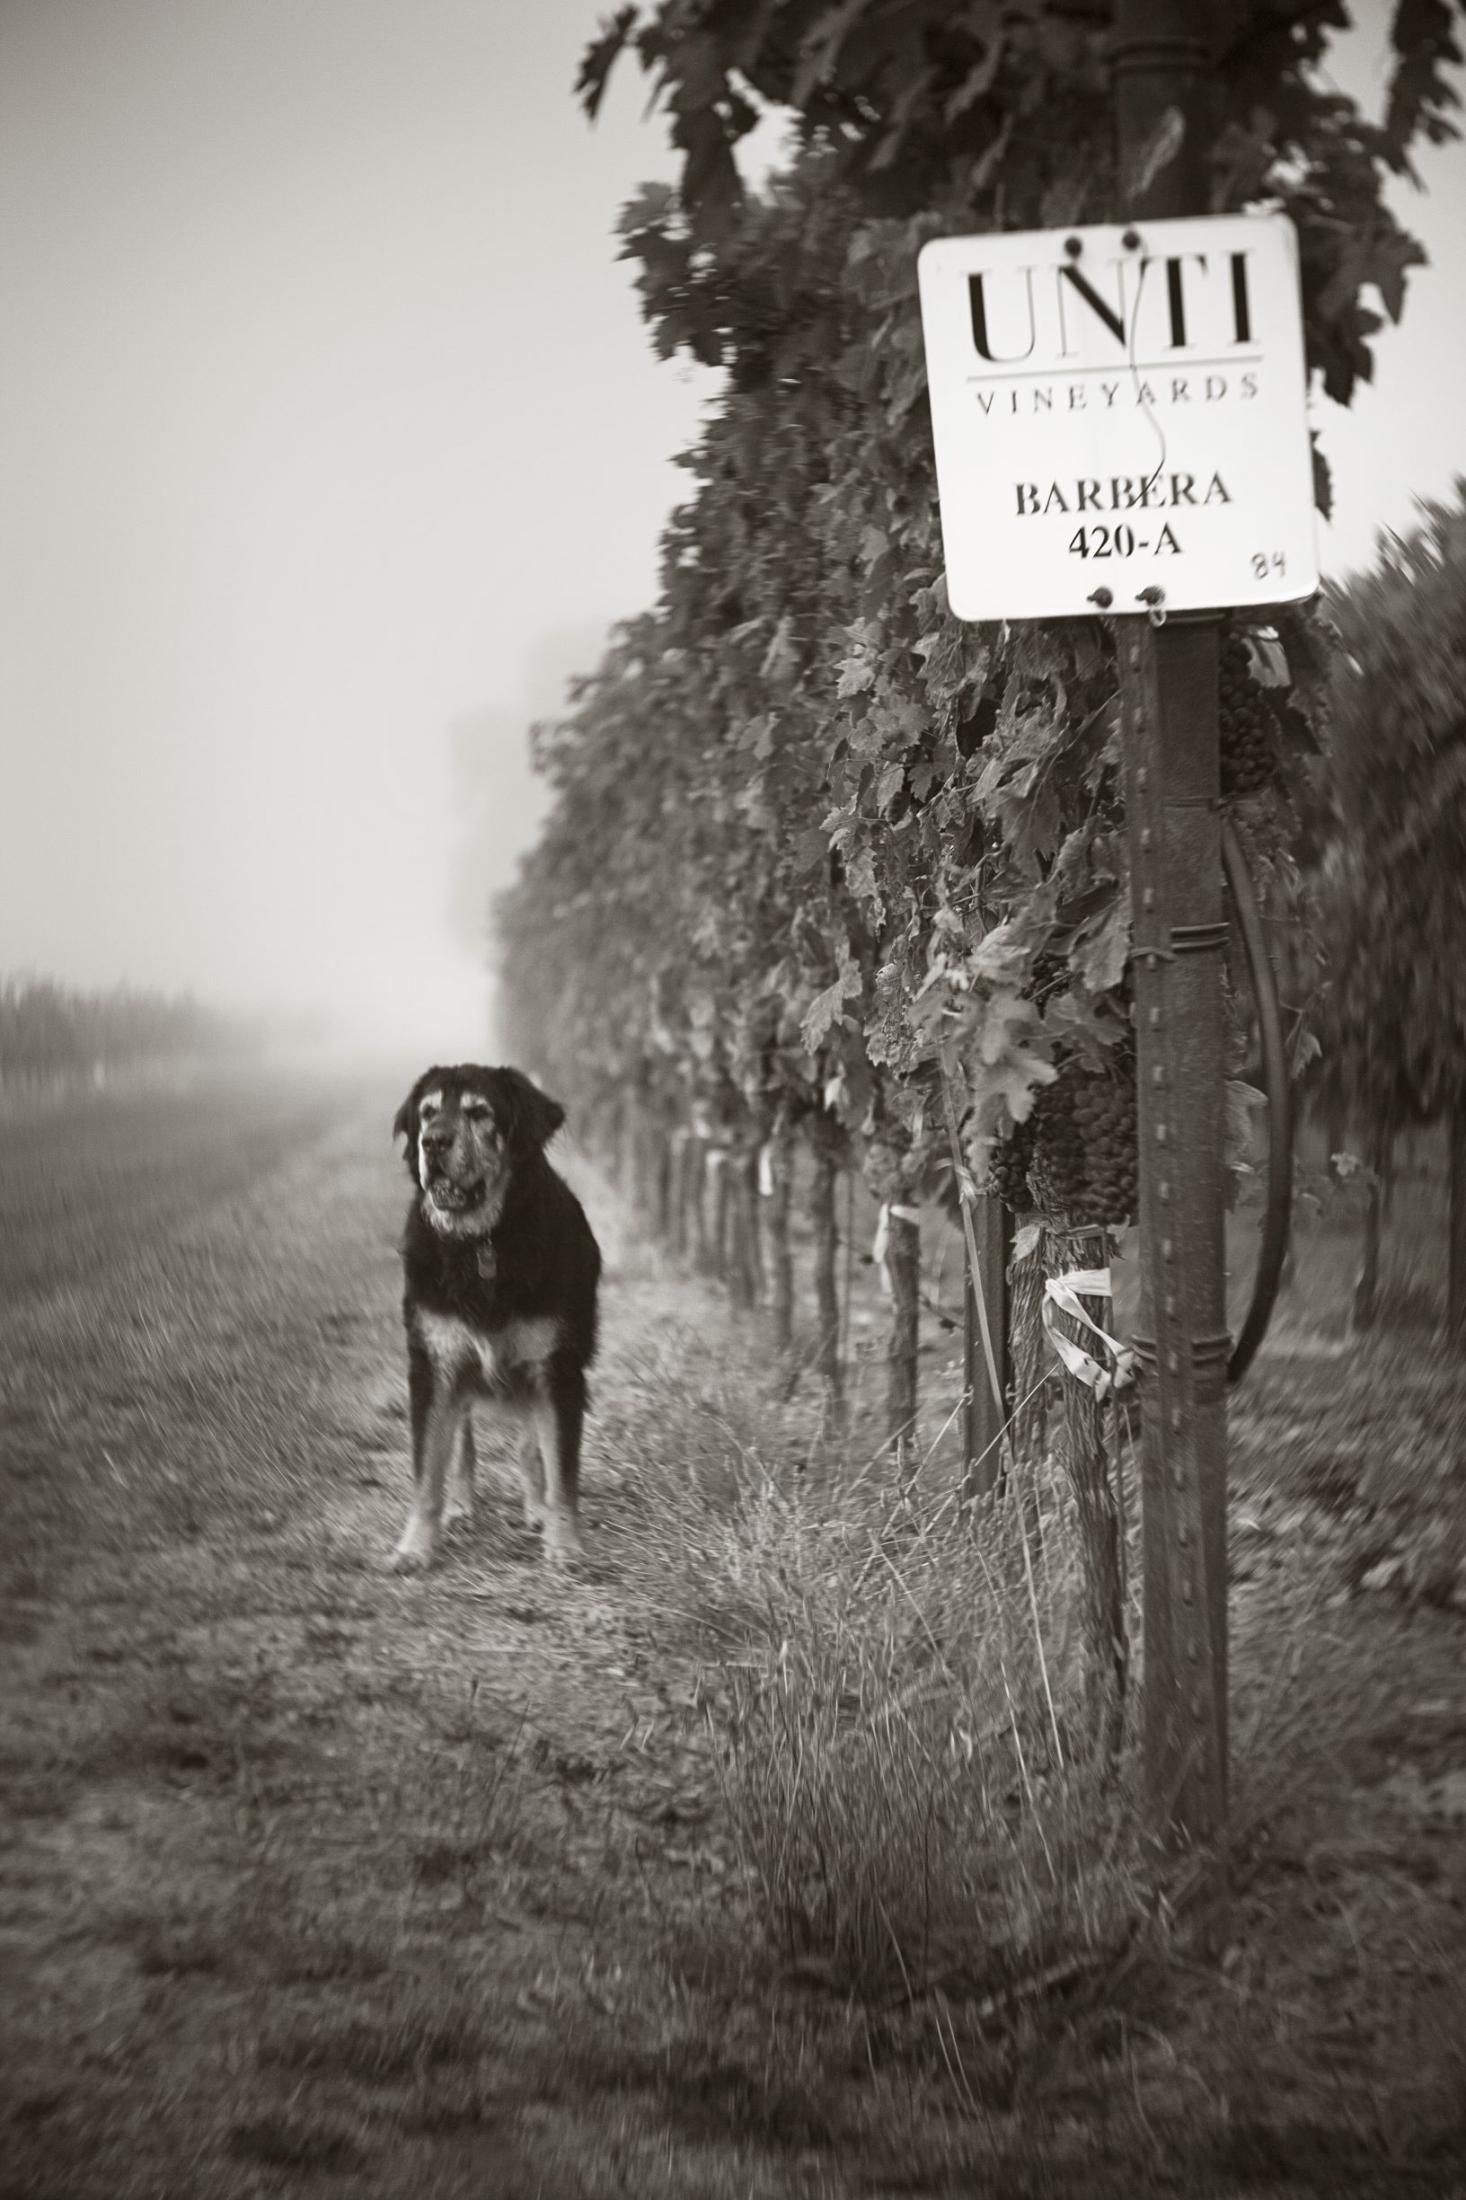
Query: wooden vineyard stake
[824,1177]
[777,1163]
[903,1274]
[985,1408]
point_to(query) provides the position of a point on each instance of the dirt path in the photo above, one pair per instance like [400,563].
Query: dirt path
[317,1879]
[307,1870]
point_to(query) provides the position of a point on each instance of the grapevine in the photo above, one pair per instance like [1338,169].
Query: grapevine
[1391,1023]
[814,801]
[811,841]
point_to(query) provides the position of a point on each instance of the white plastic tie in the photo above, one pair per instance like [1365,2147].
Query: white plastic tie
[1064,1293]
[882,1245]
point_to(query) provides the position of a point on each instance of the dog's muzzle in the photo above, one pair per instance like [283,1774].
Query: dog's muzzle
[454,1198]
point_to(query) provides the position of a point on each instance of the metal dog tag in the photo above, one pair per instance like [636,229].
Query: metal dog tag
[487,1265]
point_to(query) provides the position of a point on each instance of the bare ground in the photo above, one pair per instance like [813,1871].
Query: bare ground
[317,1879]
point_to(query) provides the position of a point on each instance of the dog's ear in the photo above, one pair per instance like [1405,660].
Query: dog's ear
[404,1122]
[531,1116]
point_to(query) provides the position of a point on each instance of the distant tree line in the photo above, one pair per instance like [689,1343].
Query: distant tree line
[50,1031]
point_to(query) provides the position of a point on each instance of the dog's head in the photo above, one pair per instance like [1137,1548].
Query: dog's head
[466,1129]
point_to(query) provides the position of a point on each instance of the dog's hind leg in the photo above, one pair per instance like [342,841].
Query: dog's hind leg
[459,1506]
[558,1419]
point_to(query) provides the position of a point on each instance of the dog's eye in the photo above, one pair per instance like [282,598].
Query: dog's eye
[472,1106]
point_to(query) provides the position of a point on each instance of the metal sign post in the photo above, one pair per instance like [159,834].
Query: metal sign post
[1169,729]
[1168,676]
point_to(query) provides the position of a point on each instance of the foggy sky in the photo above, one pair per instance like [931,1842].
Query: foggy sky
[330,442]
[323,398]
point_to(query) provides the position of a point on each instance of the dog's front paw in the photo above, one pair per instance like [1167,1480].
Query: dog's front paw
[562,1539]
[415,1553]
[457,1513]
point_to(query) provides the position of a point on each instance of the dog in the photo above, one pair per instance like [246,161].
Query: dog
[501,1275]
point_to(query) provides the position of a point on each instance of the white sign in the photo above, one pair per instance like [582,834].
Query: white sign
[1120,410]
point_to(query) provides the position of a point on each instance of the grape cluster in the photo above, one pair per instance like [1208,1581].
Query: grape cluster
[1007,1177]
[1085,1164]
[1248,724]
[1050,974]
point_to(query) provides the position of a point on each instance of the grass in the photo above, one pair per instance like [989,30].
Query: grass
[892,1691]
[85,1179]
[1372,1425]
[292,2143]
[416,2030]
[901,1747]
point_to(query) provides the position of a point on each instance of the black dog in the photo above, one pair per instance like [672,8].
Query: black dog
[501,1272]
